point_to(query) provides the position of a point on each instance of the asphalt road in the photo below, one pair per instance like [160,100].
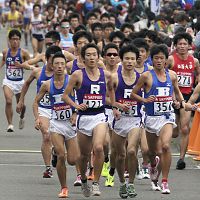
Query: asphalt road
[21,164]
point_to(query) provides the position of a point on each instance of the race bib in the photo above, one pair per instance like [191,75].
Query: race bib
[62,113]
[93,100]
[163,105]
[45,101]
[133,108]
[184,80]
[14,73]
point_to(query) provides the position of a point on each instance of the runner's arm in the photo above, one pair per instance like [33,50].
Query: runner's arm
[3,60]
[69,89]
[43,90]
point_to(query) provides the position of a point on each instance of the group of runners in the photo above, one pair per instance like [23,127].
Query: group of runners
[101,95]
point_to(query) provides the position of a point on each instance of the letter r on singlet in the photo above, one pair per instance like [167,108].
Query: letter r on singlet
[127,93]
[95,89]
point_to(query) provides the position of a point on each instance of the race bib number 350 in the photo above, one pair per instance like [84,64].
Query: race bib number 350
[163,106]
[93,100]
[45,101]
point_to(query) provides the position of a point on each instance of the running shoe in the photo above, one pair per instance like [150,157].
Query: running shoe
[105,169]
[153,171]
[77,182]
[123,191]
[85,189]
[21,123]
[138,174]
[131,191]
[126,174]
[48,173]
[180,164]
[155,186]
[91,174]
[53,157]
[10,128]
[145,173]
[109,181]
[165,188]
[95,189]
[63,193]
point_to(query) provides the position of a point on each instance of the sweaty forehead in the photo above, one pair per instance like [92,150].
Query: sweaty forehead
[91,50]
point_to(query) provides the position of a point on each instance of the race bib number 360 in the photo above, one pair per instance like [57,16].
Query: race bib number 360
[93,100]
[62,112]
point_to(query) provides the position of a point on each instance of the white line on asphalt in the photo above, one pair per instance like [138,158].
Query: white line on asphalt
[35,151]
[21,165]
[18,151]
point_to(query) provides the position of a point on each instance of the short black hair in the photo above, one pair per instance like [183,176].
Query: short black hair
[80,34]
[74,15]
[180,36]
[52,50]
[54,35]
[125,42]
[37,5]
[108,25]
[126,25]
[87,46]
[90,14]
[50,5]
[96,25]
[109,46]
[115,34]
[80,27]
[58,54]
[157,48]
[128,48]
[141,43]
[11,1]
[14,32]
[106,15]
[64,20]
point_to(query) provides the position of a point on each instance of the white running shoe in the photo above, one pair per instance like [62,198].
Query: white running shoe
[95,189]
[165,188]
[77,182]
[21,123]
[10,128]
[155,186]
[145,173]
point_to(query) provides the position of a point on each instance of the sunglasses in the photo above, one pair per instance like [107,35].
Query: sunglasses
[112,54]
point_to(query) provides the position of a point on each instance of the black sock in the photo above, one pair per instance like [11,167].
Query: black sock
[106,159]
[112,171]
[84,181]
[95,183]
